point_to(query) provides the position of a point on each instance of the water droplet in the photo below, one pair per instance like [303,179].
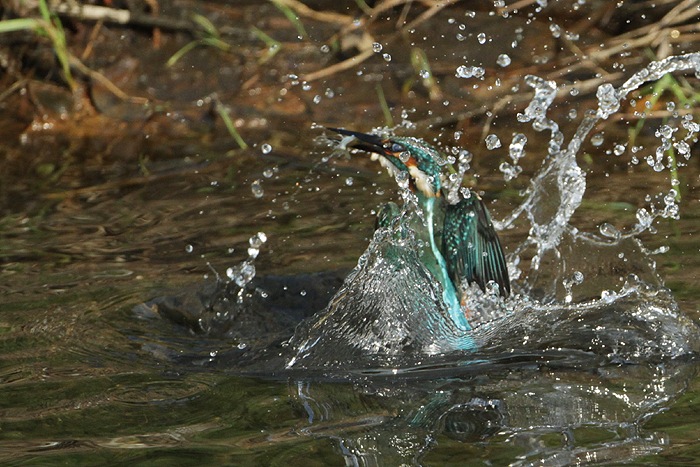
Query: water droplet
[597,139]
[555,29]
[241,274]
[259,237]
[665,131]
[387,57]
[644,219]
[516,150]
[317,99]
[256,188]
[492,142]
[683,148]
[608,296]
[670,198]
[619,149]
[425,74]
[492,288]
[690,125]
[469,72]
[377,47]
[510,172]
[402,180]
[608,100]
[189,248]
[266,148]
[503,60]
[481,37]
[268,173]
[608,230]
[349,181]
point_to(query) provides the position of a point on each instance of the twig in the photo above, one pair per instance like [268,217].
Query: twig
[104,81]
[15,86]
[93,37]
[429,13]
[340,66]
[323,16]
[127,18]
[516,6]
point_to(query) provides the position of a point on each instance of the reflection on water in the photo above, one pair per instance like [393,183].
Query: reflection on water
[552,408]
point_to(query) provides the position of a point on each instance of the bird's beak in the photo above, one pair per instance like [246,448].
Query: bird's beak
[364,141]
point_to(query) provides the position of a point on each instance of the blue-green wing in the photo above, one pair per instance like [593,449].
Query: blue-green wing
[471,246]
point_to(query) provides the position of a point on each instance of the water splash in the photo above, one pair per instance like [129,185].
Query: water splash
[389,312]
[374,315]
[557,190]
[572,289]
[243,273]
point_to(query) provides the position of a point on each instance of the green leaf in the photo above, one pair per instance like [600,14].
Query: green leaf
[19,24]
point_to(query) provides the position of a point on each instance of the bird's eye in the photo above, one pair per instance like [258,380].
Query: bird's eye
[396,147]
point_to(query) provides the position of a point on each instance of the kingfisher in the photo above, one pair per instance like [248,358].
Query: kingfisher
[464,247]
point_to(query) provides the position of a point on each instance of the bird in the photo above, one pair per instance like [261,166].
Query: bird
[464,245]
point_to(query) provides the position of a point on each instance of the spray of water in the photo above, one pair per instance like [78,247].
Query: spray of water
[390,305]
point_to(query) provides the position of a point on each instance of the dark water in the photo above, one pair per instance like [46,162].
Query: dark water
[85,379]
[117,347]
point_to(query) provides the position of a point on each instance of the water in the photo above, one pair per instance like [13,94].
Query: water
[389,307]
[116,349]
[567,370]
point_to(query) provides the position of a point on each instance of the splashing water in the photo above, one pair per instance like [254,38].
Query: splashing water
[557,190]
[609,301]
[591,292]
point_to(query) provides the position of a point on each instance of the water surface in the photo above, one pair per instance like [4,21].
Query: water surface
[109,354]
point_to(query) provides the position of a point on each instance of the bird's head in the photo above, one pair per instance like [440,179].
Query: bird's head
[403,154]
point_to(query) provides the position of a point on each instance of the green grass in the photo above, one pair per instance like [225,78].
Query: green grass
[210,38]
[48,25]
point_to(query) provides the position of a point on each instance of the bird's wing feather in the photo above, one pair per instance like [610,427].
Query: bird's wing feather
[471,246]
